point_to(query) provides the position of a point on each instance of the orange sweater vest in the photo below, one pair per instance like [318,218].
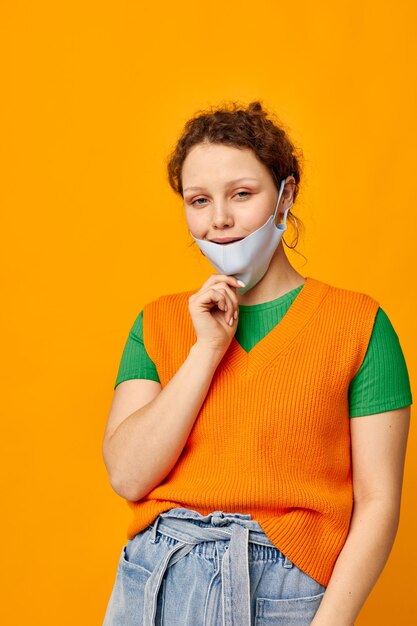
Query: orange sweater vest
[272,437]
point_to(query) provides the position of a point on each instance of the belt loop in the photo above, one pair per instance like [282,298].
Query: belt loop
[154,527]
[287,563]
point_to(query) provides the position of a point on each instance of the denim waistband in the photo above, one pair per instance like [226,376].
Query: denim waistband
[238,529]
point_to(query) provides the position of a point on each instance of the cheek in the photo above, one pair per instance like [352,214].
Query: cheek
[195,225]
[257,221]
[260,212]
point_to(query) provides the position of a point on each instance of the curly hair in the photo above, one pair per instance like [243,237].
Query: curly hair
[233,125]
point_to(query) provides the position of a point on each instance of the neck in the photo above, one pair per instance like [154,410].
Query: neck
[280,278]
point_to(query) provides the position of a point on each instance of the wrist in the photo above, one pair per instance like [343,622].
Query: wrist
[208,351]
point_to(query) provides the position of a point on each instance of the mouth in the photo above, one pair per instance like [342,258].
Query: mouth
[225,242]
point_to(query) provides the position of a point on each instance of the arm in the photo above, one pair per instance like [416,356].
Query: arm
[141,446]
[378,455]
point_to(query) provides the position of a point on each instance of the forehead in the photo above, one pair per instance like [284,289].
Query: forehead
[209,162]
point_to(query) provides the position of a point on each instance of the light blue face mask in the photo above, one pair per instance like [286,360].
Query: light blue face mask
[247,259]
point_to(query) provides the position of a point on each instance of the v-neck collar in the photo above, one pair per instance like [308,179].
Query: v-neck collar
[276,341]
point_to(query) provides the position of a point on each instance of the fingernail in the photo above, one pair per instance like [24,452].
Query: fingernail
[231,321]
[241,283]
[235,314]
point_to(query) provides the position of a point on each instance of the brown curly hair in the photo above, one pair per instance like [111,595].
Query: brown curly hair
[233,125]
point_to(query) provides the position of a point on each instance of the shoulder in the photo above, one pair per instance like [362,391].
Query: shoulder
[348,314]
[166,318]
[350,297]
[169,310]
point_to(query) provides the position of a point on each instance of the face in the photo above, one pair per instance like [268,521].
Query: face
[228,192]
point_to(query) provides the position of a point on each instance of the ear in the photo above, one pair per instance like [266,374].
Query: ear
[287,194]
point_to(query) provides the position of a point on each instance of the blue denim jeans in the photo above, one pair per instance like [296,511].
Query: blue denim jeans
[220,569]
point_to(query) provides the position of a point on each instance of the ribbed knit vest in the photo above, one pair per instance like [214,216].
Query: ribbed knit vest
[272,437]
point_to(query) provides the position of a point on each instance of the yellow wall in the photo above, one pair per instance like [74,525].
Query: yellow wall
[95,95]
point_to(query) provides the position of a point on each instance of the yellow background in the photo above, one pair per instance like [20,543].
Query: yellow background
[94,97]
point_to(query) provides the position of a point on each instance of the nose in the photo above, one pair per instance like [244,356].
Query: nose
[221,216]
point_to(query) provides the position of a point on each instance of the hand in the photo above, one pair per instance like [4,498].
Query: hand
[214,310]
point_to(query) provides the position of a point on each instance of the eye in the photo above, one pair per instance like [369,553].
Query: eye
[196,200]
[198,203]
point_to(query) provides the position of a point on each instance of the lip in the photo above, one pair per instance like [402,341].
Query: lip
[226,240]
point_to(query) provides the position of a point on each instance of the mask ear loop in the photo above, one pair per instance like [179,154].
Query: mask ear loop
[283,224]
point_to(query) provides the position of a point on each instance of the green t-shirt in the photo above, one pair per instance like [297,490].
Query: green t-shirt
[381,384]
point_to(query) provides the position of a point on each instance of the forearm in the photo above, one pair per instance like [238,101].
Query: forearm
[146,445]
[368,544]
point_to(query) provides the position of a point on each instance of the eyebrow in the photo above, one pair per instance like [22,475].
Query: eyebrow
[231,182]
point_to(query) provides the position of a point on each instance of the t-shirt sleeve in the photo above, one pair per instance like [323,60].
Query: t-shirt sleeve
[382,382]
[135,361]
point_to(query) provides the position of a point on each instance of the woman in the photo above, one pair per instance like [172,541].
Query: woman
[258,496]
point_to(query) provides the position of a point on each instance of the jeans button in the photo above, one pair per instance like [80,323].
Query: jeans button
[218,519]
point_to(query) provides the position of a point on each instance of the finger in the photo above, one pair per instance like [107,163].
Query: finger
[224,301]
[231,300]
[229,306]
[212,296]
[230,280]
[232,306]
[218,296]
